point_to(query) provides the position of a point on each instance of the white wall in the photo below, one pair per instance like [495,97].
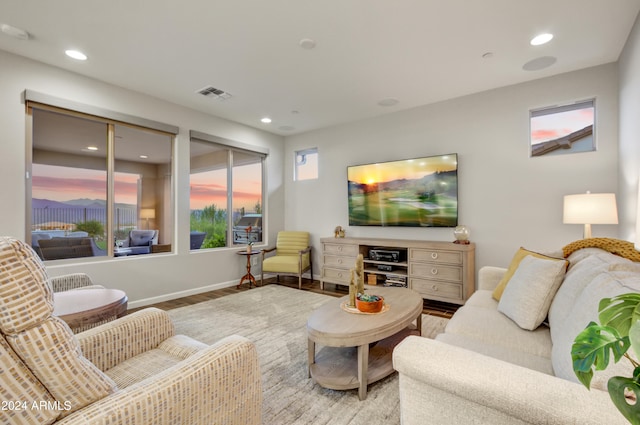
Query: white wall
[506,198]
[146,279]
[629,133]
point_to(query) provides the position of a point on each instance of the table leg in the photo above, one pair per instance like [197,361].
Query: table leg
[363,366]
[312,355]
[419,323]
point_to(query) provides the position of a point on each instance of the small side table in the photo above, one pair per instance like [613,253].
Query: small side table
[248,276]
[85,308]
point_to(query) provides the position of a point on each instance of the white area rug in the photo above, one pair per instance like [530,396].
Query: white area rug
[274,318]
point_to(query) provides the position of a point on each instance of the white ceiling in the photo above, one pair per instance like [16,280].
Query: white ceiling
[415,51]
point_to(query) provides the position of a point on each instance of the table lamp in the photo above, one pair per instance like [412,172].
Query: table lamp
[590,208]
[147,213]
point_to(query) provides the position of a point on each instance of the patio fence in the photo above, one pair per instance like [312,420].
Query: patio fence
[67,218]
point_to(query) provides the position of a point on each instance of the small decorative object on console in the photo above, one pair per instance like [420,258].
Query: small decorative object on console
[369,303]
[462,235]
[338,232]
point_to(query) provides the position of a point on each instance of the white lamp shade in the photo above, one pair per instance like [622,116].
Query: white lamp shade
[147,213]
[590,208]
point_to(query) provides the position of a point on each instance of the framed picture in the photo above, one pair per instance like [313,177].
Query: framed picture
[563,129]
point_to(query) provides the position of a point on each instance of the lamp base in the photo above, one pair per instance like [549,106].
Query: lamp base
[587,231]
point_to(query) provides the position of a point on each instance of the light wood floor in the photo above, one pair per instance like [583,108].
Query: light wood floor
[434,308]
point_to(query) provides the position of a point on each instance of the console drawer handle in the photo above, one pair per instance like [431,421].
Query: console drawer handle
[340,248]
[435,288]
[434,271]
[339,274]
[339,260]
[434,255]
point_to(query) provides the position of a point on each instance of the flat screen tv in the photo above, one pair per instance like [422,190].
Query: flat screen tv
[418,192]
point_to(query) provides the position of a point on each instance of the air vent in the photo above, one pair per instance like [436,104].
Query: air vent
[213,92]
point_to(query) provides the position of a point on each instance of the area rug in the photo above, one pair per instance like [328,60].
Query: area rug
[274,318]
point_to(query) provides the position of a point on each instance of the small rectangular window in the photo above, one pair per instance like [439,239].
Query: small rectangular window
[563,129]
[306,164]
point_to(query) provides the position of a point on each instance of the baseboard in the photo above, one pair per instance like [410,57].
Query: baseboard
[174,295]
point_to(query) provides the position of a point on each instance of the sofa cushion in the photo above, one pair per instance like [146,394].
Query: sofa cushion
[584,266]
[514,356]
[606,285]
[492,327]
[20,386]
[513,266]
[527,297]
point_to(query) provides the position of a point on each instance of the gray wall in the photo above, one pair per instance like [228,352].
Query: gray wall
[146,279]
[506,198]
[629,133]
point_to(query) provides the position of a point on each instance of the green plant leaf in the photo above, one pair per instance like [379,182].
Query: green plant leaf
[616,387]
[620,312]
[592,347]
[634,337]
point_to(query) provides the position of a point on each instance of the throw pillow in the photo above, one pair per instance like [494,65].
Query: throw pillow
[515,262]
[527,298]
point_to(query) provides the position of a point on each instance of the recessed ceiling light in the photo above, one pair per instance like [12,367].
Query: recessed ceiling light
[266,120]
[307,43]
[144,156]
[92,148]
[388,102]
[541,39]
[76,54]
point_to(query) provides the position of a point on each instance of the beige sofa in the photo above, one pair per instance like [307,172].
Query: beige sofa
[486,369]
[133,370]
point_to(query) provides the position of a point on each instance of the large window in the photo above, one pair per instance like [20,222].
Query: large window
[226,195]
[94,184]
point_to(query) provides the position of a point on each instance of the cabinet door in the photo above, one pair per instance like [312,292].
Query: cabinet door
[436,272]
[435,256]
[438,290]
[340,249]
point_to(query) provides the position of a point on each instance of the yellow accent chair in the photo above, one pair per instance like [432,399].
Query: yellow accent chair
[292,257]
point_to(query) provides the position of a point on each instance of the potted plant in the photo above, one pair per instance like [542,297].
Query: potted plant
[369,303]
[619,330]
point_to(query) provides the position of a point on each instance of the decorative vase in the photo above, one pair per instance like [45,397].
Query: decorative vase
[461,234]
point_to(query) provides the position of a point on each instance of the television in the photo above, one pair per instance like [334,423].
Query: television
[417,192]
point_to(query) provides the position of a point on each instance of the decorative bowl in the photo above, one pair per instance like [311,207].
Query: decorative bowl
[370,306]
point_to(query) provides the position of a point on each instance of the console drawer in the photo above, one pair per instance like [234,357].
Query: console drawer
[436,271]
[435,256]
[333,261]
[336,275]
[434,288]
[340,249]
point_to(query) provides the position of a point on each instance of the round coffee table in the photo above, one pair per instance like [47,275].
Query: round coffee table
[347,361]
[83,307]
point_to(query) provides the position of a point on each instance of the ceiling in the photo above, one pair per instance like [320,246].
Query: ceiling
[414,51]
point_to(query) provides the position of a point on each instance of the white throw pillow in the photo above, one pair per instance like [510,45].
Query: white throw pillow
[527,297]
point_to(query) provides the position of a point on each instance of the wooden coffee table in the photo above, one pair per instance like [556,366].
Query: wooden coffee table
[82,307]
[347,360]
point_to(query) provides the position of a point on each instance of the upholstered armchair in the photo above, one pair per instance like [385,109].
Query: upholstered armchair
[140,241]
[132,370]
[292,256]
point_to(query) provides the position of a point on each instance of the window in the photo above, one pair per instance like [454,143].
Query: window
[225,177]
[94,181]
[563,129]
[306,164]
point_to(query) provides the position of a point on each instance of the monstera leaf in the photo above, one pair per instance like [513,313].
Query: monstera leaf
[620,312]
[618,330]
[592,347]
[619,388]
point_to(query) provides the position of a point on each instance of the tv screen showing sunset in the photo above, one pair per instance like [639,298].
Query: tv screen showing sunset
[419,192]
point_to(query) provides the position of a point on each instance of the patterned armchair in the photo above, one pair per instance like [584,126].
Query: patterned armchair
[292,256]
[132,370]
